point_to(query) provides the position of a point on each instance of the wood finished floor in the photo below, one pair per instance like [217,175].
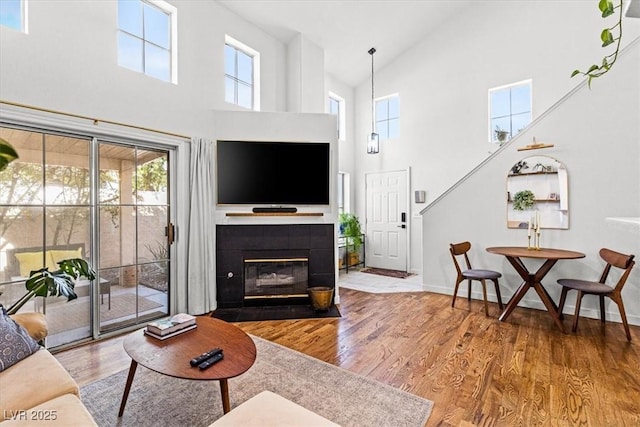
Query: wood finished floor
[477,370]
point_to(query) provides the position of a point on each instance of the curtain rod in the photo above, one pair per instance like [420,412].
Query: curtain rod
[94,120]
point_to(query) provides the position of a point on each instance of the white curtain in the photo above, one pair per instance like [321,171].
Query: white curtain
[201,249]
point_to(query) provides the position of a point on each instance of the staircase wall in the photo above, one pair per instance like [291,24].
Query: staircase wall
[596,133]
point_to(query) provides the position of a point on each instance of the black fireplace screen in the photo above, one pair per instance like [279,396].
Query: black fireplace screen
[276,277]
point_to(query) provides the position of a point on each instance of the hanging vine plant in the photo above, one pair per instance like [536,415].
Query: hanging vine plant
[608,38]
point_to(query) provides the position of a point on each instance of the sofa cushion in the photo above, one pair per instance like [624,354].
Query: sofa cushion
[35,380]
[32,261]
[58,255]
[66,410]
[15,342]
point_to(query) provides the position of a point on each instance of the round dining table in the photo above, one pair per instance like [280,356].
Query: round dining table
[514,255]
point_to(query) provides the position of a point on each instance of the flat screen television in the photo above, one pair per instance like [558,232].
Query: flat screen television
[273,173]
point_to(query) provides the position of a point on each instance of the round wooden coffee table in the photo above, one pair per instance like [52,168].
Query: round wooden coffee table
[171,356]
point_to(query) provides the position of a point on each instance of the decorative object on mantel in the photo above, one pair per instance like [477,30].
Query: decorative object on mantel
[536,145]
[373,140]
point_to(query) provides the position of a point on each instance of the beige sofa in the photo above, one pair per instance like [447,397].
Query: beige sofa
[38,390]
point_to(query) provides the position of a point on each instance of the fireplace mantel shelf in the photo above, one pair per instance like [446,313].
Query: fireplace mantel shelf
[274,214]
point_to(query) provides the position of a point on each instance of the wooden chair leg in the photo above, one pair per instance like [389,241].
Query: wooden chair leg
[577,313]
[495,281]
[484,295]
[469,291]
[623,315]
[563,298]
[602,315]
[455,292]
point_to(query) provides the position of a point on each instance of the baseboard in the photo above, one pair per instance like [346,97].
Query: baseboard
[534,302]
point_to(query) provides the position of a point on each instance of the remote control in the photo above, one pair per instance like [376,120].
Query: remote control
[204,356]
[210,361]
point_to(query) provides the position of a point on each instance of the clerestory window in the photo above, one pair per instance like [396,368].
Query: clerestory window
[509,110]
[241,74]
[388,117]
[13,14]
[147,38]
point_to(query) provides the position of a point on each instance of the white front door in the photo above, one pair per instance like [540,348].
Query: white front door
[386,220]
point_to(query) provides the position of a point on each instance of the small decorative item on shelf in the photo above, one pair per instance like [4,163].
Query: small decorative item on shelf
[534,225]
[523,200]
[519,167]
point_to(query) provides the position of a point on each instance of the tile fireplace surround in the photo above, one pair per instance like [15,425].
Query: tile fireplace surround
[237,243]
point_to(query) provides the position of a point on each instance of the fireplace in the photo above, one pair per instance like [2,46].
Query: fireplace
[267,264]
[276,278]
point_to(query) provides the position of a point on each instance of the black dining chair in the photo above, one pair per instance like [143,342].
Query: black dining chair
[585,287]
[470,274]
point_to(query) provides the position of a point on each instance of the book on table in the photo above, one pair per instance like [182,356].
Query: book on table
[172,334]
[172,324]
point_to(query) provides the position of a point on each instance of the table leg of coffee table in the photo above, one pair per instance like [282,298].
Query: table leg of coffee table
[224,391]
[127,387]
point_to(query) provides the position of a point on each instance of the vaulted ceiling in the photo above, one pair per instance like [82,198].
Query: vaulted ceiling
[347,29]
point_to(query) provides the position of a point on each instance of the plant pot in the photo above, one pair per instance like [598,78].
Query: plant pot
[353,259]
[128,277]
[321,297]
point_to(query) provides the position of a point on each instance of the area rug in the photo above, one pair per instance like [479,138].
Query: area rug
[389,273]
[284,312]
[63,316]
[335,393]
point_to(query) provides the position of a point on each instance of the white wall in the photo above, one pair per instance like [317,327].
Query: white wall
[68,62]
[443,84]
[305,65]
[597,136]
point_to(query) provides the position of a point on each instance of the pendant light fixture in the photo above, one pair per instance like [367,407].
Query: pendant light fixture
[373,140]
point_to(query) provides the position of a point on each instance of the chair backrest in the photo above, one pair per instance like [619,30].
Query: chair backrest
[457,249]
[618,260]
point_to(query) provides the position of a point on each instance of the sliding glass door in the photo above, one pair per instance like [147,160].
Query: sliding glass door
[71,196]
[135,233]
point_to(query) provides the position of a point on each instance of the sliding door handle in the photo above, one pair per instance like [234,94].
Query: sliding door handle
[169,231]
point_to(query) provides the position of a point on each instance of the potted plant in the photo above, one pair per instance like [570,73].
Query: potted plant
[351,230]
[501,134]
[7,154]
[44,283]
[523,200]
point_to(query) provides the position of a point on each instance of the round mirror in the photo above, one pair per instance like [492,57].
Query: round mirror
[537,187]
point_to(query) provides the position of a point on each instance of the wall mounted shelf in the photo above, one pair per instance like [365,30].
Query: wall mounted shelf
[533,173]
[535,147]
[274,214]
